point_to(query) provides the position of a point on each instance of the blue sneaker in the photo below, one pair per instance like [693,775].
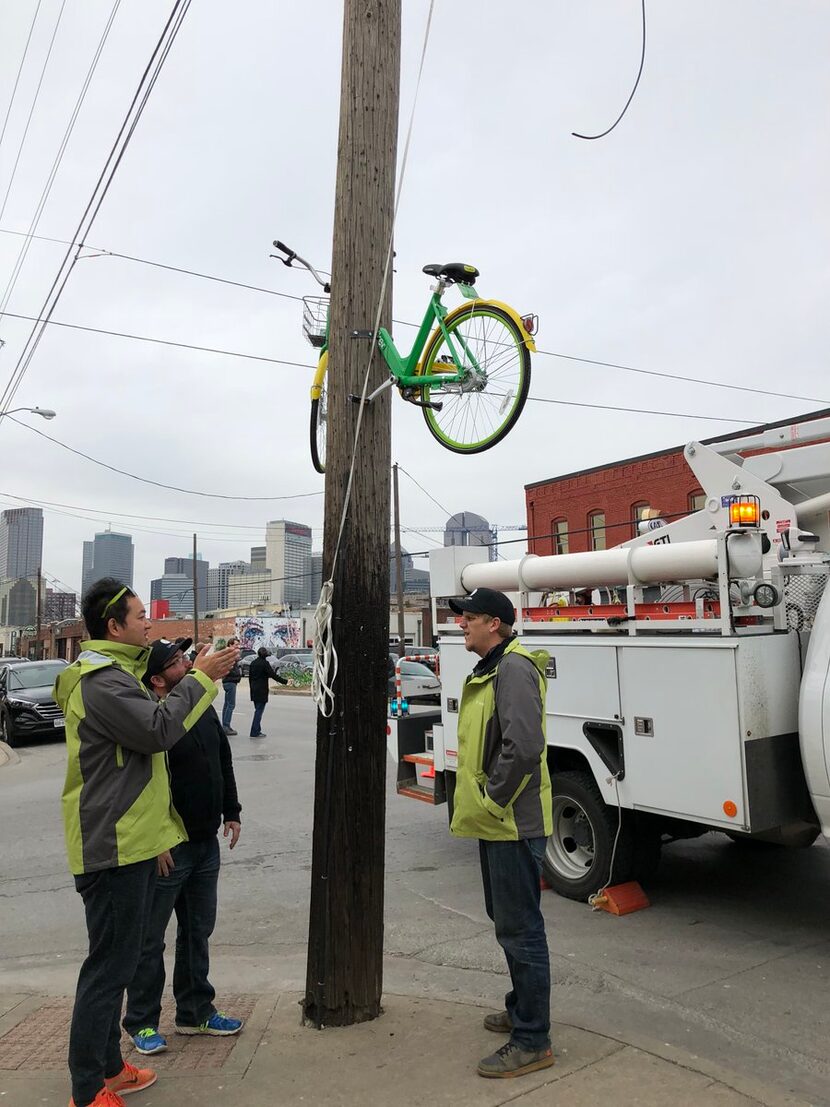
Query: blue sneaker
[218,1024]
[149,1040]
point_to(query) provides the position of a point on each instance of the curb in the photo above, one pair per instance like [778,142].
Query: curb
[8,755]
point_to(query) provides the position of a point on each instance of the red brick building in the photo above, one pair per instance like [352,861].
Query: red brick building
[597,508]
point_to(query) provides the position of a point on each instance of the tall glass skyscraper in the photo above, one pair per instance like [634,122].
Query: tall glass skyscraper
[108,555]
[21,556]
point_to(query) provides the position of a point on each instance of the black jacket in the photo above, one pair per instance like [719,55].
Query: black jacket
[202,780]
[259,674]
[234,676]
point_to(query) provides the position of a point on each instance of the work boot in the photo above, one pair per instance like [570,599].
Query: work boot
[499,1022]
[513,1060]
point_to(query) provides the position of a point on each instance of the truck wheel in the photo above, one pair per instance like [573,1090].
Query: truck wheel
[577,859]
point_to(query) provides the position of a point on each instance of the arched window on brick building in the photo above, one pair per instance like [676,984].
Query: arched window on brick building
[697,500]
[639,512]
[559,531]
[596,529]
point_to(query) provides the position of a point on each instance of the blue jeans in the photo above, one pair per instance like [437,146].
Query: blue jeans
[229,704]
[256,722]
[190,890]
[511,872]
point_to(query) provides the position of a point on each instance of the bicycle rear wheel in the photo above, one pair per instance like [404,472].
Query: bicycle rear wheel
[480,410]
[319,415]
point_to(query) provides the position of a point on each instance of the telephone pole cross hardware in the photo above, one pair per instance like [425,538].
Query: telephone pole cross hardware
[344,979]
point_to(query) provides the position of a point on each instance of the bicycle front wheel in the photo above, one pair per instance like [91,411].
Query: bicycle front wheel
[319,415]
[478,411]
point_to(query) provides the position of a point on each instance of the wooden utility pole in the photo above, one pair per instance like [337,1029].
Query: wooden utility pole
[399,565]
[344,977]
[195,598]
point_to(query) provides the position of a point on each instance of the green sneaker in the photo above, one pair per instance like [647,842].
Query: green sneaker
[512,1060]
[499,1022]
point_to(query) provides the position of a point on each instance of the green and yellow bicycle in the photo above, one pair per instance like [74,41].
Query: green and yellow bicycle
[468,369]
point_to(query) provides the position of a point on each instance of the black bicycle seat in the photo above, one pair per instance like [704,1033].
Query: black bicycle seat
[454,271]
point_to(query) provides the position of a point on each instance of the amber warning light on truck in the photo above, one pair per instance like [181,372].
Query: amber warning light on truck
[745,511]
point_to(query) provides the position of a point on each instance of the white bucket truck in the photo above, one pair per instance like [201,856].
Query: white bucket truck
[698,700]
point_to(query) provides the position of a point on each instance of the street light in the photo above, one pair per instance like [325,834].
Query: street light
[45,412]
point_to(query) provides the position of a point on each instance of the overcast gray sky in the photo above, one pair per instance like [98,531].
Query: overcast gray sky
[692,240]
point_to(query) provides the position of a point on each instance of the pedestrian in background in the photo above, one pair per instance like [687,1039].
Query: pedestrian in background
[259,674]
[229,685]
[503,798]
[118,817]
[204,794]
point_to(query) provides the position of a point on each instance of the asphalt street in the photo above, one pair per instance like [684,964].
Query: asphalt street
[731,962]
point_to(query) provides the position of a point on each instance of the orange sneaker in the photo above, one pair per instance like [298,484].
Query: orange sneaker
[105,1098]
[130,1079]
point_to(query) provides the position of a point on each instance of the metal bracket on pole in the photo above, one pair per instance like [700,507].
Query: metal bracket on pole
[372,395]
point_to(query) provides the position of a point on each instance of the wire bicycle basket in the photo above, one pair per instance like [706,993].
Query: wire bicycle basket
[315,319]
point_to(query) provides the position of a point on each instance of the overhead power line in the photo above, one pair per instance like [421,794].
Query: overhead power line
[427,494]
[19,71]
[643,411]
[32,108]
[107,513]
[682,377]
[608,130]
[155,483]
[99,192]
[308,365]
[161,341]
[50,180]
[100,251]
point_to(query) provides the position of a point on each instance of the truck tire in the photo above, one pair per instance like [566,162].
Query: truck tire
[577,859]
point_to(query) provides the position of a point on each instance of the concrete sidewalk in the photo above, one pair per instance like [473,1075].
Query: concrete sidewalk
[420,1051]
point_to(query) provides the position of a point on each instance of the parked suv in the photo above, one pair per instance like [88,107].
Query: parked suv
[26,705]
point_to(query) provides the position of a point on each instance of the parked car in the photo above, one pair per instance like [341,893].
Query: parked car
[418,683]
[26,705]
[298,660]
[245,662]
[10,660]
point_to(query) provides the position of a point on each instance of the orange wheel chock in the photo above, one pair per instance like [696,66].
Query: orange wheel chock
[620,899]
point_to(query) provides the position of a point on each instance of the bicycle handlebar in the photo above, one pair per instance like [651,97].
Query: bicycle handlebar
[293,256]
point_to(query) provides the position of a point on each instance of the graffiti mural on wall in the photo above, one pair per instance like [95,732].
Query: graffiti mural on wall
[272,631]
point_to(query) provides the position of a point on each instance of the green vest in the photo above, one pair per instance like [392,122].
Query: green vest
[475,814]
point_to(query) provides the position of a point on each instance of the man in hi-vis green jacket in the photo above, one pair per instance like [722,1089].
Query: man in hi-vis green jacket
[503,798]
[119,820]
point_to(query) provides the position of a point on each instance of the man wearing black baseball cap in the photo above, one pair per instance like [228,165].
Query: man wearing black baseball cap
[203,787]
[503,798]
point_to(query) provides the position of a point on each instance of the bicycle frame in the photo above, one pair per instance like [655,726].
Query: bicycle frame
[404,369]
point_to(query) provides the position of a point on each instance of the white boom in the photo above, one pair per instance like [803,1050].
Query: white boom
[638,565]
